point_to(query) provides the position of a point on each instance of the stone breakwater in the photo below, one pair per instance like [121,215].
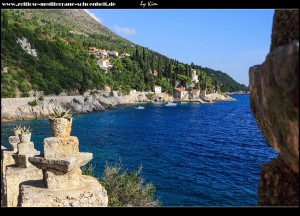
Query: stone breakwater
[19,108]
[214,97]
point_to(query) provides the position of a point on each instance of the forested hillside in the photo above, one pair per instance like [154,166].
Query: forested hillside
[61,40]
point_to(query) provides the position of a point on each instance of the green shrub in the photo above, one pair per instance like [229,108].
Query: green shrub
[76,101]
[25,94]
[86,99]
[41,98]
[32,103]
[125,188]
[88,170]
[151,96]
[125,90]
[93,93]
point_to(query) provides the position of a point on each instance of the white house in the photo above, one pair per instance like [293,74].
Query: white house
[103,63]
[93,50]
[180,93]
[195,93]
[113,53]
[124,55]
[103,53]
[195,76]
[157,88]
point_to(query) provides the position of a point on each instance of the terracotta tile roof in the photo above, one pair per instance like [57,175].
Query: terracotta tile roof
[157,86]
[195,90]
[181,89]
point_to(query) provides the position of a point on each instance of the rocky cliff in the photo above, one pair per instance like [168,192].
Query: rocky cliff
[20,108]
[274,98]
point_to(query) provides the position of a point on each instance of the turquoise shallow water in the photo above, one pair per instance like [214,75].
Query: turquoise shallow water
[195,154]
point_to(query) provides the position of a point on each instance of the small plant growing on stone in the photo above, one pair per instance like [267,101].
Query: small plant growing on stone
[25,134]
[61,123]
[62,114]
[25,130]
[88,170]
[17,130]
[17,127]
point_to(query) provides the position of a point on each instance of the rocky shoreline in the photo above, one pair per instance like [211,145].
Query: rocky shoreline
[20,108]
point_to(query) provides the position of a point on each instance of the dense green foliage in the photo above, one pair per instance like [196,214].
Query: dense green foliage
[228,84]
[62,39]
[125,188]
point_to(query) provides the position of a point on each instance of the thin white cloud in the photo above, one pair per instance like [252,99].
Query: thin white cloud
[99,20]
[125,30]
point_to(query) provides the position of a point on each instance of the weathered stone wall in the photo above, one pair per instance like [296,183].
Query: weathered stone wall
[274,98]
[89,194]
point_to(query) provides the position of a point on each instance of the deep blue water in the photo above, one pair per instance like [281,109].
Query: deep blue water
[195,154]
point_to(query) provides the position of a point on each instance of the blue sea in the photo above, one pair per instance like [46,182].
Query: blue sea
[195,154]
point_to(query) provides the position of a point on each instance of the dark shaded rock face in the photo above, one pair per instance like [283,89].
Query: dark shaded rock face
[285,27]
[279,185]
[274,101]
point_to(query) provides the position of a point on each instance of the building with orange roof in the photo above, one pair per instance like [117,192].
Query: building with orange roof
[195,93]
[180,93]
[157,88]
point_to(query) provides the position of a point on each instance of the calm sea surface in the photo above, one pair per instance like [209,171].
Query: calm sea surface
[195,154]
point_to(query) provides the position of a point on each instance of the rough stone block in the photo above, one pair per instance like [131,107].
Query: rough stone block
[55,147]
[15,176]
[6,160]
[274,101]
[22,160]
[55,179]
[13,142]
[65,164]
[279,185]
[89,194]
[26,148]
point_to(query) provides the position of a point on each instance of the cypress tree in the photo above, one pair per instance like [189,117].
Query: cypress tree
[4,19]
[144,55]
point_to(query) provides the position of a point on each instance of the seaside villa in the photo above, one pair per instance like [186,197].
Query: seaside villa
[195,93]
[104,63]
[180,93]
[157,88]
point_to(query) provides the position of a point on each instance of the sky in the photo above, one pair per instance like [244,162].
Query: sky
[227,40]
